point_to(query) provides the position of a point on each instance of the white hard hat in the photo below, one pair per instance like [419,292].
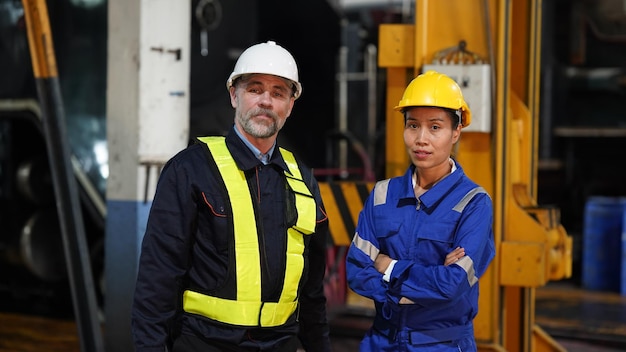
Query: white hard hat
[268,58]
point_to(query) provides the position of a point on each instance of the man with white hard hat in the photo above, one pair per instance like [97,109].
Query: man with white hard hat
[234,253]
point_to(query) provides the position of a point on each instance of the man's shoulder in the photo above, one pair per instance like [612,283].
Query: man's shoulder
[191,153]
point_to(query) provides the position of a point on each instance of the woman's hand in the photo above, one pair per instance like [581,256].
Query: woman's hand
[382,262]
[453,256]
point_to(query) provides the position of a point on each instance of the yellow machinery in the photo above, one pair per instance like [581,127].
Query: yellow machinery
[501,155]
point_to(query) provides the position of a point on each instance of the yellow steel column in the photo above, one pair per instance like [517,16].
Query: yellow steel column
[396,51]
[441,25]
[532,247]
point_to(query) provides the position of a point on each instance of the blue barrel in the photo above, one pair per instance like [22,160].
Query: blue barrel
[602,243]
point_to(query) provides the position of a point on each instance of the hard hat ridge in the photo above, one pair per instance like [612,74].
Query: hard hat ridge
[267,58]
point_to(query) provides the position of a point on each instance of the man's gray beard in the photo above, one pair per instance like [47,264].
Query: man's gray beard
[257,130]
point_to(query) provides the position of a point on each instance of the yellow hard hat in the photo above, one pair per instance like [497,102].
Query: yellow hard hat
[432,88]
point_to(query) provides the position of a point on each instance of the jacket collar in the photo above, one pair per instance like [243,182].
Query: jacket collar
[244,156]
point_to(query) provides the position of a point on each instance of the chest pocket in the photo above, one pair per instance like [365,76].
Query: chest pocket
[436,236]
[213,220]
[388,234]
[434,240]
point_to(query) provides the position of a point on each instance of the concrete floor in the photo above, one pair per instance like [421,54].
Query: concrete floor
[579,320]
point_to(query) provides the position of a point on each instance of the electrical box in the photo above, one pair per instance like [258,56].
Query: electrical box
[475,83]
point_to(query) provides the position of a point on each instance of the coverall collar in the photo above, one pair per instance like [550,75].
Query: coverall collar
[438,191]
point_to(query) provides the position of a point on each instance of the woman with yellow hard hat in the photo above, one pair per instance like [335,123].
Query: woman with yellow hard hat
[424,239]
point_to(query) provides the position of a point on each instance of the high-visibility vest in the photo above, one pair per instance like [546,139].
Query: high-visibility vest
[248,309]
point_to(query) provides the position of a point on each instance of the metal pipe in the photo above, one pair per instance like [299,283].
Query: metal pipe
[67,200]
[371,68]
[342,123]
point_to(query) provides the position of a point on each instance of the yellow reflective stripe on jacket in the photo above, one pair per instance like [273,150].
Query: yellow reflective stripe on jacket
[248,309]
[305,224]
[238,312]
[246,239]
[305,203]
[295,265]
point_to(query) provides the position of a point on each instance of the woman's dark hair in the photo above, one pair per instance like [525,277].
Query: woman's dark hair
[455,115]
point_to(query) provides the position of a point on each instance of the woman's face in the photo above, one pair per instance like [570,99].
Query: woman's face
[429,136]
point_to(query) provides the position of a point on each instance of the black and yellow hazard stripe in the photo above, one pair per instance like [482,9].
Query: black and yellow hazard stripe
[343,202]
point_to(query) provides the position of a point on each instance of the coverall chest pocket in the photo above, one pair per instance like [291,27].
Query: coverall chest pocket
[390,239]
[212,221]
[434,241]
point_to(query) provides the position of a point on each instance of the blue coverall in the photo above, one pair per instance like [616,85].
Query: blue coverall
[439,302]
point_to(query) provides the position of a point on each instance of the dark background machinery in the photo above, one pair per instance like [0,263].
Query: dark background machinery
[31,251]
[583,122]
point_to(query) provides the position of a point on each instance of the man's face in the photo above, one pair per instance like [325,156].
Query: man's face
[262,104]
